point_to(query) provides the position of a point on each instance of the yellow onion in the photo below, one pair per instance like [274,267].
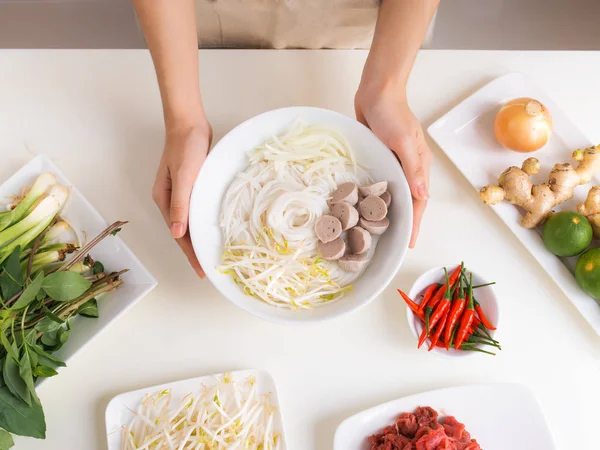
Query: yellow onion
[523,125]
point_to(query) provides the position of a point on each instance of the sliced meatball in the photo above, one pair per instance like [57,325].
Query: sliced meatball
[328,228]
[352,263]
[375,189]
[359,240]
[376,227]
[387,198]
[373,208]
[347,214]
[345,192]
[332,250]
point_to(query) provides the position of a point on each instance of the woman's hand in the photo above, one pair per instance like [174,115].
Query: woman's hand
[185,150]
[385,111]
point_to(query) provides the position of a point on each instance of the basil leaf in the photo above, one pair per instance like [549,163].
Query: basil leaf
[65,286]
[89,309]
[8,347]
[6,440]
[14,382]
[19,418]
[98,267]
[30,292]
[47,324]
[10,285]
[44,372]
[27,374]
[54,340]
[47,359]
[50,339]
[11,280]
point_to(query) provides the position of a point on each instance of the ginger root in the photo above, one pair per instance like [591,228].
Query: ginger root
[590,208]
[538,200]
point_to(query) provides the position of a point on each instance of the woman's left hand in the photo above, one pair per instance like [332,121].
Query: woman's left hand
[386,112]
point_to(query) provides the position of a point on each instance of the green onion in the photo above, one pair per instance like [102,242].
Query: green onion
[44,182]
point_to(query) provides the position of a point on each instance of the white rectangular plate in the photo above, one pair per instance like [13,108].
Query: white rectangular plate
[499,416]
[119,411]
[466,135]
[112,252]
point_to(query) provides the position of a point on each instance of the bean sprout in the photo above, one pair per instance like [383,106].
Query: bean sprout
[228,415]
[269,212]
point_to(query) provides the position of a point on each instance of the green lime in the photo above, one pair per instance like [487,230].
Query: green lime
[587,272]
[567,233]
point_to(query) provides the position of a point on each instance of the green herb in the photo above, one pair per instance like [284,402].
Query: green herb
[114,233]
[65,286]
[89,309]
[11,281]
[98,267]
[6,440]
[14,382]
[38,301]
[30,292]
[19,418]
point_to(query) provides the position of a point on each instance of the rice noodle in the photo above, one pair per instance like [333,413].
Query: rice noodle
[268,216]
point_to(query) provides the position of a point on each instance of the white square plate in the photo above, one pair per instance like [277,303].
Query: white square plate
[112,252]
[499,416]
[119,411]
[466,135]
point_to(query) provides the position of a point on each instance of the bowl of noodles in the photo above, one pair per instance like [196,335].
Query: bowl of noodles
[255,203]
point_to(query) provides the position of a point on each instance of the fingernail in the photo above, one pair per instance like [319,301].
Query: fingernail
[177,230]
[422,192]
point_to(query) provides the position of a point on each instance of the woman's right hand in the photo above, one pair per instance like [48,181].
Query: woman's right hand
[185,150]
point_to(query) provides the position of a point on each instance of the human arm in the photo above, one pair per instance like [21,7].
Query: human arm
[170,31]
[381,101]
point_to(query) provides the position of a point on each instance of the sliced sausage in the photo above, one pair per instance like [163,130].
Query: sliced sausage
[332,250]
[345,192]
[352,263]
[374,189]
[347,214]
[359,240]
[373,208]
[378,227]
[387,198]
[328,228]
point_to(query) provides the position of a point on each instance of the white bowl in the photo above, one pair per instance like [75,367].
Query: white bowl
[229,157]
[484,295]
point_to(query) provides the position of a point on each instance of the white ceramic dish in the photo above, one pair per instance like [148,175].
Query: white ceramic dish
[229,157]
[466,135]
[499,416]
[119,411]
[484,295]
[112,252]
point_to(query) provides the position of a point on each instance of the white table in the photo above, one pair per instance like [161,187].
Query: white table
[97,115]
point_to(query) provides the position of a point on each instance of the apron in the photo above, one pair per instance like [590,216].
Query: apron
[309,24]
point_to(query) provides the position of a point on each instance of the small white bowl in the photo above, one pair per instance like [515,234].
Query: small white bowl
[230,156]
[485,296]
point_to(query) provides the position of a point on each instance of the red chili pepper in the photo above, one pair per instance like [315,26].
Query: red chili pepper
[412,305]
[467,318]
[486,323]
[427,295]
[422,338]
[438,332]
[458,307]
[444,303]
[441,291]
